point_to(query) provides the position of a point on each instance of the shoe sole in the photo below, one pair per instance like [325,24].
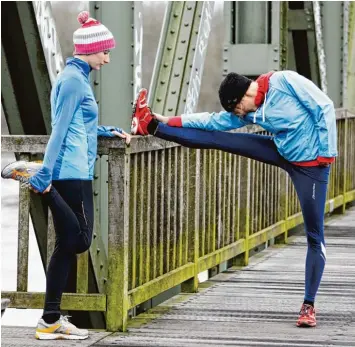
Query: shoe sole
[46,336]
[306,325]
[6,172]
[134,128]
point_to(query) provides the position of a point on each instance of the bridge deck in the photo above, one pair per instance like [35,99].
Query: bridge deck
[255,306]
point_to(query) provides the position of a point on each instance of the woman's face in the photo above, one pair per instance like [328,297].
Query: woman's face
[99,59]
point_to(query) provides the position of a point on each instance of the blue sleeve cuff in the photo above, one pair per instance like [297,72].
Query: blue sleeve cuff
[106,131]
[41,180]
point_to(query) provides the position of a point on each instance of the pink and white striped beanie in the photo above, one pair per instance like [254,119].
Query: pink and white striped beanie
[93,37]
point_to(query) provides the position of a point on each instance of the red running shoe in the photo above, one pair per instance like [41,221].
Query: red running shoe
[307,317]
[141,115]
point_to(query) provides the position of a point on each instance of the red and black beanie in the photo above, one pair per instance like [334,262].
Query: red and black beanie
[232,90]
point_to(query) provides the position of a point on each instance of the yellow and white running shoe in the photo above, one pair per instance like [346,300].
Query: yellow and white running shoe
[21,171]
[62,329]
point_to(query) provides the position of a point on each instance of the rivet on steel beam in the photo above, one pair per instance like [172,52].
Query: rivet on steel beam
[96,83]
[95,235]
[176,74]
[225,49]
[97,101]
[183,41]
[162,82]
[189,8]
[132,26]
[101,266]
[49,35]
[96,193]
[187,82]
[225,70]
[105,280]
[275,49]
[186,24]
[194,49]
[159,99]
[196,32]
[132,45]
[184,100]
[96,177]
[176,15]
[180,58]
[173,92]
[98,250]
[170,109]
[53,54]
[168,48]
[225,60]
[172,31]
[190,66]
[275,60]
[165,65]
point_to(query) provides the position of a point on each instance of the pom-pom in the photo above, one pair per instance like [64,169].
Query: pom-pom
[83,17]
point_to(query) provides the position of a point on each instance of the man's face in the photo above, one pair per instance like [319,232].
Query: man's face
[99,59]
[244,106]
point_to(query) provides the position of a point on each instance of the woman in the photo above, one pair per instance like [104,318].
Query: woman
[65,179]
[302,119]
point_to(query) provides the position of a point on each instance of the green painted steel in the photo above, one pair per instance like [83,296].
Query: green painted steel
[249,48]
[114,88]
[172,72]
[332,22]
[351,60]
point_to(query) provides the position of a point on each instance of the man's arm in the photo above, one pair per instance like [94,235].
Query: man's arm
[222,121]
[107,131]
[320,107]
[68,100]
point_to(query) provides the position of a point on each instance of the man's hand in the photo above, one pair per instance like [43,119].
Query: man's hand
[123,135]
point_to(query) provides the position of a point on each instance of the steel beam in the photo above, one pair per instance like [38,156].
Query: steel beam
[184,24]
[251,50]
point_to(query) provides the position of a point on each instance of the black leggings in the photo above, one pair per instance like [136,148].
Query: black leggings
[71,203]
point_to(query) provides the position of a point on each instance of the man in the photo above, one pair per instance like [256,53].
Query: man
[301,118]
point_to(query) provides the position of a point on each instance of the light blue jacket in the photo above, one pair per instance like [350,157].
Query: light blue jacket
[299,115]
[72,147]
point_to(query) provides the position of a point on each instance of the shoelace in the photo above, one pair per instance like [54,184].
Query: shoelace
[24,181]
[65,319]
[305,309]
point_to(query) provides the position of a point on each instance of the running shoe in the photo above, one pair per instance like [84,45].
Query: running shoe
[307,317]
[142,115]
[21,171]
[62,329]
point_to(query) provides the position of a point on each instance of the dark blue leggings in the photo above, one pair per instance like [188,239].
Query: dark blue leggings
[71,204]
[310,184]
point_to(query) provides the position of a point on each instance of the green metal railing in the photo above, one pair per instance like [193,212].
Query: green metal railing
[175,212]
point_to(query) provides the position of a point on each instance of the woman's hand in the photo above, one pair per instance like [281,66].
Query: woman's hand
[44,192]
[123,135]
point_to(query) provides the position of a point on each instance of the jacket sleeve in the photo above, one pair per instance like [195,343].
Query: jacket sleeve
[68,101]
[106,131]
[221,121]
[320,108]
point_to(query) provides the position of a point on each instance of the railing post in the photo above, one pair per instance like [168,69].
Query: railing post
[23,234]
[345,154]
[193,210]
[118,233]
[244,213]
